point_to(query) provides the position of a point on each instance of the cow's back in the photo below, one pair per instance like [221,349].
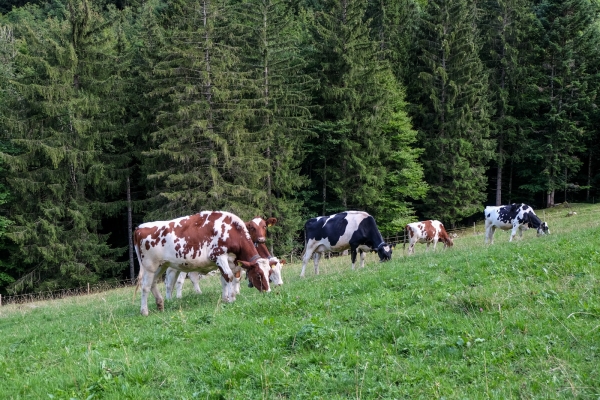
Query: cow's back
[189,243]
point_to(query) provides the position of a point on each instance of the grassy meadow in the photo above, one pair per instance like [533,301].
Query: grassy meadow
[511,320]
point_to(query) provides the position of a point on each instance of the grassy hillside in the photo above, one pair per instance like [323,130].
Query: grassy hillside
[512,320]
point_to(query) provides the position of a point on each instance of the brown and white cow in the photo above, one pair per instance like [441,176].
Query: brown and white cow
[257,227]
[430,231]
[201,242]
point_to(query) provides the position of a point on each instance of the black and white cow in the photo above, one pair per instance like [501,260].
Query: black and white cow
[354,230]
[518,217]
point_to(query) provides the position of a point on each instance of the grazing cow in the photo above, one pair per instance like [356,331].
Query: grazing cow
[430,231]
[257,227]
[201,242]
[355,230]
[518,217]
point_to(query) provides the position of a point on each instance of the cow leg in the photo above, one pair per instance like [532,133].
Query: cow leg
[195,278]
[434,243]
[148,284]
[353,256]
[513,232]
[362,259]
[489,234]
[170,277]
[428,243]
[223,264]
[147,281]
[237,277]
[179,283]
[160,303]
[228,294]
[307,256]
[316,256]
[411,248]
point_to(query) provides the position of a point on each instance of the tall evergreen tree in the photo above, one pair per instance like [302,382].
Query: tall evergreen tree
[505,27]
[560,93]
[61,120]
[452,111]
[202,155]
[359,100]
[7,52]
[278,100]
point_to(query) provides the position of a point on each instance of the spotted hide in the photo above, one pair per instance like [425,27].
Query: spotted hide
[201,242]
[257,228]
[518,217]
[354,230]
[430,231]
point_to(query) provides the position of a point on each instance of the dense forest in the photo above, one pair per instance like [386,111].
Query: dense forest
[113,113]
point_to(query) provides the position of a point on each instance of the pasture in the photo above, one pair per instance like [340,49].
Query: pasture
[511,320]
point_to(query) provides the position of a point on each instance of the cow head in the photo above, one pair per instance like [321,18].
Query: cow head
[543,229]
[275,271]
[448,242]
[385,252]
[257,228]
[258,273]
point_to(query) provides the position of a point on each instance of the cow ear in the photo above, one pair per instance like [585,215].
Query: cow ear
[282,261]
[271,221]
[243,264]
[272,262]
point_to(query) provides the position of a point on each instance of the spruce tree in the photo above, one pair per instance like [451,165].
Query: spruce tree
[202,156]
[277,104]
[452,111]
[505,27]
[60,121]
[359,99]
[560,93]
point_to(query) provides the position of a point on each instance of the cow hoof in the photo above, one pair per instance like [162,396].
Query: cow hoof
[144,312]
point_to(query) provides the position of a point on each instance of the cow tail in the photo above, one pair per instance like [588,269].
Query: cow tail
[140,274]
[305,243]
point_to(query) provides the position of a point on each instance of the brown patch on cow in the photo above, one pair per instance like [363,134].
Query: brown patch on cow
[428,230]
[237,274]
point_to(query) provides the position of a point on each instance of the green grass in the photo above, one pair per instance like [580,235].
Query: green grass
[512,320]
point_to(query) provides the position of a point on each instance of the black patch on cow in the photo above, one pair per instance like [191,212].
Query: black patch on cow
[332,228]
[509,213]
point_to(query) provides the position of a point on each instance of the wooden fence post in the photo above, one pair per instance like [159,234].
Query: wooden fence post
[0,300]
[88,288]
[474,229]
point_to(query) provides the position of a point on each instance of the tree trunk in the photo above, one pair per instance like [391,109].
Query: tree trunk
[130,231]
[566,178]
[324,185]
[499,173]
[510,182]
[550,198]
[589,178]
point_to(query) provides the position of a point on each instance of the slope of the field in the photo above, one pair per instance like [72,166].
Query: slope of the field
[511,320]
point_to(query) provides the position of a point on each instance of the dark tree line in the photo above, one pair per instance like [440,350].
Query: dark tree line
[118,112]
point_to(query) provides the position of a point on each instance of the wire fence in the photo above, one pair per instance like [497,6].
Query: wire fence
[90,288]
